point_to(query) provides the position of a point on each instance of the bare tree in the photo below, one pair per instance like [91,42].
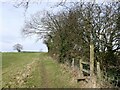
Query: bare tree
[18,47]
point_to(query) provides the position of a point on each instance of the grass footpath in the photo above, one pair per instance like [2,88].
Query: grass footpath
[28,70]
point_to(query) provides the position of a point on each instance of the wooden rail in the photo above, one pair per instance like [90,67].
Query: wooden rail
[81,76]
[91,71]
[91,64]
[82,69]
[85,62]
[86,71]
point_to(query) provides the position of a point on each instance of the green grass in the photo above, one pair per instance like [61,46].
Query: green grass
[9,59]
[55,77]
[45,72]
[14,62]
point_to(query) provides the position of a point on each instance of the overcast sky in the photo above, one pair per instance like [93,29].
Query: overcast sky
[12,22]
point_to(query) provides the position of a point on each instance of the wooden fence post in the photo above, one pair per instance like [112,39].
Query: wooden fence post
[91,59]
[73,61]
[92,76]
[73,68]
[98,71]
[81,68]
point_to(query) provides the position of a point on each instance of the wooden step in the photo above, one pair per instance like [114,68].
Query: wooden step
[84,78]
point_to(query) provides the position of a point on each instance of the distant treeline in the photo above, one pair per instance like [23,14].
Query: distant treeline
[30,52]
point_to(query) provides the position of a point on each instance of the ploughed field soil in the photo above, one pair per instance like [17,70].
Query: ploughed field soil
[34,70]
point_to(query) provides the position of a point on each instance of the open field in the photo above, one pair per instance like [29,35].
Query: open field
[21,70]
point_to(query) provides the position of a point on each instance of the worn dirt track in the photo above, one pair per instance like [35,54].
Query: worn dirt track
[44,76]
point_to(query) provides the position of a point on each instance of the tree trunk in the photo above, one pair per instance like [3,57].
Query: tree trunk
[19,50]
